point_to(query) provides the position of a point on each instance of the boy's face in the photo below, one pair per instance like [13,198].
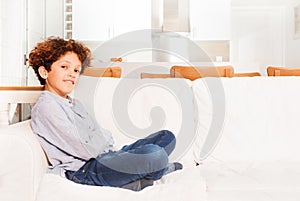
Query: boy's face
[63,75]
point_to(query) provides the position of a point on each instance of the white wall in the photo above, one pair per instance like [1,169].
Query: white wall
[292,44]
[257,37]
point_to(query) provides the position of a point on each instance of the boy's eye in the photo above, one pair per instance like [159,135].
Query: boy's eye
[63,66]
[76,71]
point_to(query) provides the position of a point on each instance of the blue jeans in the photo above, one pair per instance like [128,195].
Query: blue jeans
[146,158]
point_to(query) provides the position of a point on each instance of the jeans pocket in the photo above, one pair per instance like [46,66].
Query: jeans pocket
[82,176]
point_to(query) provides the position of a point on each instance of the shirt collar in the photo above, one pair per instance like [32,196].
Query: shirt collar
[67,101]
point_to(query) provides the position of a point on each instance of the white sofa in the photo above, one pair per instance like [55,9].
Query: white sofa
[243,132]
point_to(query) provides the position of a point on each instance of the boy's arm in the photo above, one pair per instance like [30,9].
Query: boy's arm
[58,129]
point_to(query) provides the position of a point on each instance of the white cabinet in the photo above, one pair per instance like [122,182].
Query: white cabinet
[100,20]
[92,20]
[23,23]
[12,46]
[210,20]
[44,19]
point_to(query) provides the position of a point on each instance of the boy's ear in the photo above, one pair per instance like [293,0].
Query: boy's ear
[43,72]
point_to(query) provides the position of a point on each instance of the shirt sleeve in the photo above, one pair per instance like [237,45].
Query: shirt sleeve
[55,126]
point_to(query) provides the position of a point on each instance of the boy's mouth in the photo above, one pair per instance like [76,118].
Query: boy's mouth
[70,81]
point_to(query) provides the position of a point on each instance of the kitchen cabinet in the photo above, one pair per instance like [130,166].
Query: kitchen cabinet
[210,20]
[101,20]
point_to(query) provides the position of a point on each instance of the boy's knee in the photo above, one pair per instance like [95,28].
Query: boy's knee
[156,156]
[168,134]
[152,148]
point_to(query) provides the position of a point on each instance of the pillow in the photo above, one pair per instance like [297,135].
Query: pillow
[247,119]
[134,108]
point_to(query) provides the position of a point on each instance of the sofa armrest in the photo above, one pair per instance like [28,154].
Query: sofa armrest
[22,163]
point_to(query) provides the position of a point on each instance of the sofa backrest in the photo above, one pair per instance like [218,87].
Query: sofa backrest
[247,119]
[22,163]
[135,108]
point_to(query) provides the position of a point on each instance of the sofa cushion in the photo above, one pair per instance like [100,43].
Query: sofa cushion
[248,119]
[249,137]
[260,181]
[180,185]
[134,108]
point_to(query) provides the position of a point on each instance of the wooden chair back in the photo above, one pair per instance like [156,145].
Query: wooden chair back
[250,74]
[103,72]
[154,75]
[192,73]
[281,71]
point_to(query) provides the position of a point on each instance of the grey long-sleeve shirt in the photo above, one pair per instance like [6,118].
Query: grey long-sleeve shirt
[68,135]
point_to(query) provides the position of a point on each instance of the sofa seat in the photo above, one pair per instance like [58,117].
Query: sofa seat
[256,195]
[252,180]
[257,181]
[256,175]
[175,186]
[23,176]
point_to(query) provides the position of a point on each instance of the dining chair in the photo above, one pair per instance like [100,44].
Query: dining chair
[248,74]
[195,72]
[154,75]
[282,71]
[103,72]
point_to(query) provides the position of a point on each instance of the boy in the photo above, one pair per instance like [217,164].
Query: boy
[76,146]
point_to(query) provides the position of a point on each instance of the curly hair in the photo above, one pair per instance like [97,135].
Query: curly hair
[47,52]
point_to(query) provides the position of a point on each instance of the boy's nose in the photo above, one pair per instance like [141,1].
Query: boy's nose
[72,73]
